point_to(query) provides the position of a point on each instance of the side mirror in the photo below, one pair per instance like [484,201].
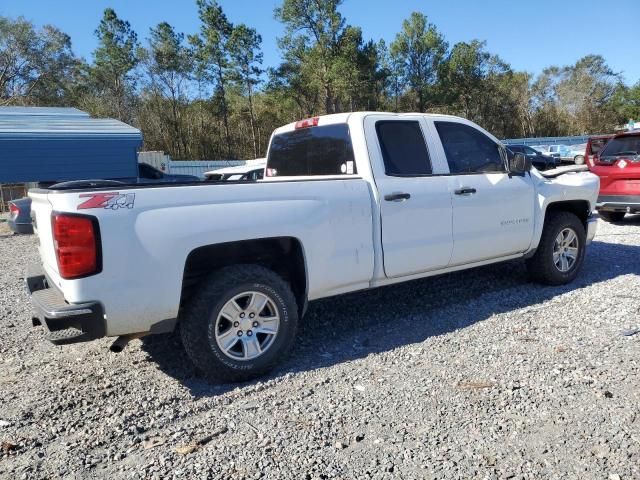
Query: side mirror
[519,164]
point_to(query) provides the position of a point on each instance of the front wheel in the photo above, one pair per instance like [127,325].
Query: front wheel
[240,323]
[612,217]
[560,253]
[578,159]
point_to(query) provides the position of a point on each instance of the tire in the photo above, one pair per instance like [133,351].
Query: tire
[542,266]
[203,326]
[578,159]
[612,217]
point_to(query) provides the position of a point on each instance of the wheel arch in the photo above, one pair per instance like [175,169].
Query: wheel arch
[580,208]
[283,255]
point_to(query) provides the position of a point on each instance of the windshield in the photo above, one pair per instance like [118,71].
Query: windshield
[530,151]
[619,146]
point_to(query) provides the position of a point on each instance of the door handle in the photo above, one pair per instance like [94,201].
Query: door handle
[397,197]
[465,191]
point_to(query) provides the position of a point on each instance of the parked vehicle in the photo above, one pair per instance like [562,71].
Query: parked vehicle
[576,154]
[350,202]
[618,166]
[555,151]
[539,160]
[20,210]
[251,171]
[594,145]
[539,149]
[572,154]
[149,174]
[20,216]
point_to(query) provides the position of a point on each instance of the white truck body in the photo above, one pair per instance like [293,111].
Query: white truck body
[350,236]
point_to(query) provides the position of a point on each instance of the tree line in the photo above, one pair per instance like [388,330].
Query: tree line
[208,95]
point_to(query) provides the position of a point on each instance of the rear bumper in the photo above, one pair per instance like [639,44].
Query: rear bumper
[65,323]
[618,203]
[23,228]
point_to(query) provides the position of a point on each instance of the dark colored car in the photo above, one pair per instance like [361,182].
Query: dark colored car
[539,160]
[20,210]
[149,174]
[20,216]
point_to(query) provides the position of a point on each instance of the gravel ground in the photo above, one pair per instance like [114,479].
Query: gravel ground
[470,375]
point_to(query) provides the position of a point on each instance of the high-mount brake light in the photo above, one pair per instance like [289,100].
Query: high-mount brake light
[75,240]
[307,122]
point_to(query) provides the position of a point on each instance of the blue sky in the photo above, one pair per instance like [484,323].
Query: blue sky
[529,35]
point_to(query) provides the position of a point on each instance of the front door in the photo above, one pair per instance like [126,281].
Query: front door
[492,211]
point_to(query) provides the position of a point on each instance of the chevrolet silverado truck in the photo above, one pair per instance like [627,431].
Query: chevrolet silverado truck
[348,202]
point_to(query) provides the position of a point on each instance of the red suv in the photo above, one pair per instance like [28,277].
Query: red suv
[618,166]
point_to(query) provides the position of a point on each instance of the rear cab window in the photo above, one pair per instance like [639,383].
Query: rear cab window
[315,150]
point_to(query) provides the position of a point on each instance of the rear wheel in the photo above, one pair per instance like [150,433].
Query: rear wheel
[612,216]
[240,323]
[578,159]
[560,253]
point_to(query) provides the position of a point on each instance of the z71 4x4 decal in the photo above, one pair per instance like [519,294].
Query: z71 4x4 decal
[108,200]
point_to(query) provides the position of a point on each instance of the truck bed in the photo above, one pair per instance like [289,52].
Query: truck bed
[156,227]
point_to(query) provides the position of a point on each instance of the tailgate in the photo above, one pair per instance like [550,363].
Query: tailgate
[41,209]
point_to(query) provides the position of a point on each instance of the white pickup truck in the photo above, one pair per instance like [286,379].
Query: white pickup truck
[349,202]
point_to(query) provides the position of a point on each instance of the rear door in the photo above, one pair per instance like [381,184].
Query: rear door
[415,202]
[492,212]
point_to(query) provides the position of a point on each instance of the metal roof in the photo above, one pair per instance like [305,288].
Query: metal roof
[21,122]
[55,144]
[576,140]
[31,111]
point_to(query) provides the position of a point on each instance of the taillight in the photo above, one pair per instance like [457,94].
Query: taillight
[13,210]
[75,239]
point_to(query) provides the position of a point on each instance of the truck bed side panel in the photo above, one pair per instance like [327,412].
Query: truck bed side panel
[145,247]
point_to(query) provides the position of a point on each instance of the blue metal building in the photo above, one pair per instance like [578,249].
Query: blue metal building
[41,144]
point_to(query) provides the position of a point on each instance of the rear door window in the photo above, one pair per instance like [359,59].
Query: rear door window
[404,150]
[324,150]
[468,150]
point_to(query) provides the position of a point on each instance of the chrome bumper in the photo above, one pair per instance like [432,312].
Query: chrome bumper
[619,203]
